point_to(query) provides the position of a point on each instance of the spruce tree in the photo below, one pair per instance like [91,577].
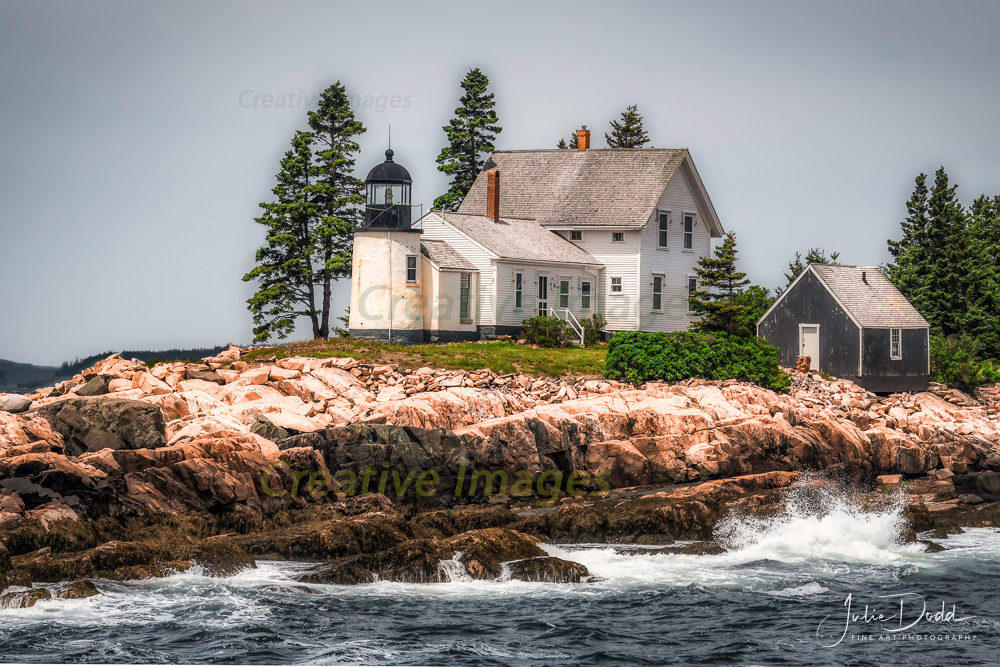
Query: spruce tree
[470,139]
[310,224]
[719,287]
[627,132]
[797,266]
[574,142]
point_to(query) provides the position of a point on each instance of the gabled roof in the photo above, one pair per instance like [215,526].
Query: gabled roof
[868,296]
[864,293]
[444,256]
[514,238]
[596,187]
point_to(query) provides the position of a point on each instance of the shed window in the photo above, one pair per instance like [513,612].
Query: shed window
[688,232]
[618,237]
[616,285]
[895,344]
[664,228]
[576,235]
[411,268]
[585,295]
[463,296]
[518,290]
[657,293]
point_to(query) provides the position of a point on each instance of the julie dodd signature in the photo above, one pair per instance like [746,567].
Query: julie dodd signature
[913,614]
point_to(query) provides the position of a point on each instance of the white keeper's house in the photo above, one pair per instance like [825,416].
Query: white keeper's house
[571,233]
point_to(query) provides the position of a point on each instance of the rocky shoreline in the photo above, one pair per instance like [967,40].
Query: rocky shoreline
[379,473]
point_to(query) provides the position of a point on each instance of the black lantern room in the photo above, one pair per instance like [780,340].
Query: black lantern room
[388,195]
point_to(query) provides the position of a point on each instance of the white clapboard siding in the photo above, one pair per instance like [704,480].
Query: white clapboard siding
[620,260]
[675,264]
[508,315]
[436,229]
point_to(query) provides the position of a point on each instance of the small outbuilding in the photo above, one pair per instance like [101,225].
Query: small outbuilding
[852,323]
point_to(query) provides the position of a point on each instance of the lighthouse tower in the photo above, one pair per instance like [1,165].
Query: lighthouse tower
[386,300]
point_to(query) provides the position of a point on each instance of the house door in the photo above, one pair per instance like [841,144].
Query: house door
[543,295]
[809,344]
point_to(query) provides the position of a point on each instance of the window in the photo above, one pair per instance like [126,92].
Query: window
[411,268]
[543,296]
[518,290]
[688,232]
[895,344]
[564,294]
[585,295]
[618,237]
[664,228]
[616,285]
[692,288]
[576,235]
[657,293]
[463,296]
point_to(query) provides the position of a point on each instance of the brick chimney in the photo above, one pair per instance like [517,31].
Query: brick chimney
[582,138]
[493,195]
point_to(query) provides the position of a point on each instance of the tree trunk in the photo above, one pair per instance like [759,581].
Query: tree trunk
[324,328]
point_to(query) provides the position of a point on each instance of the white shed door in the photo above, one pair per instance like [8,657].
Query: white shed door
[809,344]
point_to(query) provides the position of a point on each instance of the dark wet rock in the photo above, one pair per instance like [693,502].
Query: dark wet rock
[96,386]
[24,599]
[81,589]
[932,547]
[417,465]
[219,558]
[266,429]
[204,374]
[479,554]
[985,485]
[548,569]
[93,424]
[113,560]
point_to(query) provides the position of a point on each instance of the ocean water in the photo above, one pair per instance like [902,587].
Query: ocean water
[779,596]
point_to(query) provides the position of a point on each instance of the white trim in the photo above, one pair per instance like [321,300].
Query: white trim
[694,222]
[652,291]
[687,291]
[812,362]
[897,357]
[659,213]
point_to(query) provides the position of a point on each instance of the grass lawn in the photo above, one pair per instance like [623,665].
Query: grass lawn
[500,357]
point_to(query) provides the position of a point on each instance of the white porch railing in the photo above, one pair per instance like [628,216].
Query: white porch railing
[573,323]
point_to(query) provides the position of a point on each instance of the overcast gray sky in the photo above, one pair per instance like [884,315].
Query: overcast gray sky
[136,139]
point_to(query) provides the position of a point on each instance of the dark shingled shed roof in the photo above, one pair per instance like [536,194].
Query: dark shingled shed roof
[868,296]
[595,187]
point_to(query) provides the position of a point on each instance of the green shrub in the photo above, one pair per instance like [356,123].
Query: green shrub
[547,331]
[593,327]
[955,362]
[637,356]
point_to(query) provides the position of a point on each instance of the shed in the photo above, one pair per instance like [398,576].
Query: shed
[852,323]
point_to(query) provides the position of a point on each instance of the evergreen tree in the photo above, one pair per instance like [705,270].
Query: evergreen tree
[719,287]
[318,203]
[470,139]
[797,266]
[574,142]
[627,132]
[337,192]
